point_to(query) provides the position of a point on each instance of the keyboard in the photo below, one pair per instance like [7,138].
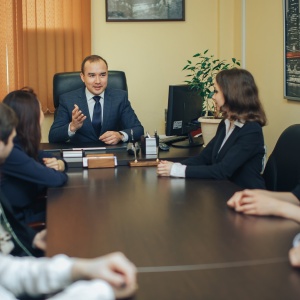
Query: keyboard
[172,139]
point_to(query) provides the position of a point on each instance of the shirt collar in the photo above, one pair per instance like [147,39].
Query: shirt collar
[90,96]
[237,123]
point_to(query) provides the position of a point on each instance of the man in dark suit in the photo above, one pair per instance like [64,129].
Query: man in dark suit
[95,112]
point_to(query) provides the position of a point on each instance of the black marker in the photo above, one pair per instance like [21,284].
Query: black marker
[157,144]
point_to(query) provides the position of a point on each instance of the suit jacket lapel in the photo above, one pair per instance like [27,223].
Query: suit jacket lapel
[230,141]
[82,104]
[219,139]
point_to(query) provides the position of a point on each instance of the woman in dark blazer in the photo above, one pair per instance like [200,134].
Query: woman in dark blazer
[236,152]
[27,172]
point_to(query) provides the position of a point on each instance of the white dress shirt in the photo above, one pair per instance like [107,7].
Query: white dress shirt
[91,104]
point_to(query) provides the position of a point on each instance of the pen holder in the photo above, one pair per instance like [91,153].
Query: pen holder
[148,145]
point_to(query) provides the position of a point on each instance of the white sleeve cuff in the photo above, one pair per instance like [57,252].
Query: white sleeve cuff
[70,133]
[125,136]
[178,170]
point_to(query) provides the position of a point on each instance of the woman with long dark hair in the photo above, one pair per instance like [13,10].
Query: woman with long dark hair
[237,151]
[27,172]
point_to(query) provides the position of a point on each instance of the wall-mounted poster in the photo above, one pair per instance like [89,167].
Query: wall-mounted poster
[291,49]
[144,10]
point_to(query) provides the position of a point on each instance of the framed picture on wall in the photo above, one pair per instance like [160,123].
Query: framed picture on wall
[291,49]
[144,10]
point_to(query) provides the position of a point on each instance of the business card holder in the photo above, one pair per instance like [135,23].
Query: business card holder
[143,163]
[106,160]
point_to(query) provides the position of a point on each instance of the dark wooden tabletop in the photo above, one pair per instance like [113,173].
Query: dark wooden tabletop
[185,241]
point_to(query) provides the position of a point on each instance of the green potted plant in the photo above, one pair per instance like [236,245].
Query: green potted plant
[201,74]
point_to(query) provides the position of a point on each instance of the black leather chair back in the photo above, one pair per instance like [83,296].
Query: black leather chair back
[69,81]
[282,171]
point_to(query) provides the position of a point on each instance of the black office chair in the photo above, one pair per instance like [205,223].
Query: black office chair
[69,81]
[282,171]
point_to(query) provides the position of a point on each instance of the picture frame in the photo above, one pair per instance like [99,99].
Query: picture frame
[291,49]
[144,10]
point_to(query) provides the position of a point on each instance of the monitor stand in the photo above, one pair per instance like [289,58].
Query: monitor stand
[189,143]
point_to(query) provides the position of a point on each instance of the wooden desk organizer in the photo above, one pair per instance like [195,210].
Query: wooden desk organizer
[144,163]
[106,160]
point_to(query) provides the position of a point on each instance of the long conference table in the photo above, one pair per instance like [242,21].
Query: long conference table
[184,240]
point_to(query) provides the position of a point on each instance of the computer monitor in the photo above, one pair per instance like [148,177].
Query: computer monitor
[184,109]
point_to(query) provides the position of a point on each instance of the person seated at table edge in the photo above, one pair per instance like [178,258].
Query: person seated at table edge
[270,203]
[237,151]
[16,237]
[106,278]
[77,119]
[27,171]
